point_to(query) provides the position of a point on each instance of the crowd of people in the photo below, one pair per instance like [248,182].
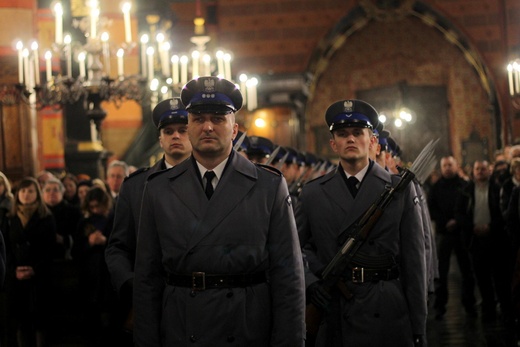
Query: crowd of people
[228,237]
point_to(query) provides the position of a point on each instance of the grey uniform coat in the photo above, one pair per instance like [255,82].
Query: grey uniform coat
[248,226]
[120,252]
[383,313]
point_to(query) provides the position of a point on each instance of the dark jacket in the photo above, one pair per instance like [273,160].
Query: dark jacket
[442,200]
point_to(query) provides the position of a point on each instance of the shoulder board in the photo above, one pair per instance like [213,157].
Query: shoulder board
[137,172]
[270,168]
[156,173]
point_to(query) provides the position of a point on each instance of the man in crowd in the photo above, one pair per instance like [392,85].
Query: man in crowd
[442,200]
[116,173]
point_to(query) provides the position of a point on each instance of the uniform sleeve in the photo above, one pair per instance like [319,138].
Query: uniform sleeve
[120,252]
[413,268]
[149,278]
[286,274]
[306,242]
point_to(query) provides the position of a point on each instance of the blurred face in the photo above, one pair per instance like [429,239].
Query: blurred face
[70,187]
[27,195]
[481,171]
[95,207]
[51,194]
[210,134]
[352,144]
[449,167]
[115,177]
[82,192]
[175,142]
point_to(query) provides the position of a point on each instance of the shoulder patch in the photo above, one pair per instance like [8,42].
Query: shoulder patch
[137,172]
[270,168]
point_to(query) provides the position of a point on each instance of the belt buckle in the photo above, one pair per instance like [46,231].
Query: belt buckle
[355,278]
[198,281]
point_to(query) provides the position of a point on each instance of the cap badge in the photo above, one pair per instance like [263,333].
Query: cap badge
[347,105]
[174,104]
[209,85]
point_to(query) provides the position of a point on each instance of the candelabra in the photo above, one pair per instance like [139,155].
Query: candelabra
[162,74]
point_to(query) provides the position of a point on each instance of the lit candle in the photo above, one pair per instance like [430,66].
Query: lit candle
[195,64]
[220,64]
[25,54]
[67,40]
[227,66]
[165,62]
[243,79]
[36,57]
[82,56]
[19,48]
[510,78]
[251,93]
[106,52]
[94,15]
[516,72]
[48,66]
[175,69]
[207,64]
[150,52]
[120,66]
[126,7]
[184,69]
[58,12]
[144,42]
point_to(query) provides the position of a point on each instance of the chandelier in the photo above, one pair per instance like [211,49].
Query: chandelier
[85,65]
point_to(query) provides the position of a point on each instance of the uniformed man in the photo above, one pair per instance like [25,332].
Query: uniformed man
[387,274]
[171,119]
[218,258]
[260,149]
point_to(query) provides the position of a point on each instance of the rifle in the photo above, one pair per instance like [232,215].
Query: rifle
[357,233]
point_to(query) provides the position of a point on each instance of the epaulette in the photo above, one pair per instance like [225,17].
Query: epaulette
[270,168]
[137,172]
[156,173]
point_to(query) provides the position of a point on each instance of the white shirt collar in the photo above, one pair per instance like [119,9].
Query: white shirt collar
[218,170]
[360,175]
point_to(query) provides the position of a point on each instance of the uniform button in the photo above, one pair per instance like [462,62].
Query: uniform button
[193,293]
[229,295]
[230,338]
[193,338]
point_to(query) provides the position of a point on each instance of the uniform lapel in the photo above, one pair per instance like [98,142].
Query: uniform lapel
[237,180]
[187,187]
[369,191]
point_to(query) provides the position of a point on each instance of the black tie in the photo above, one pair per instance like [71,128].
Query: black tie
[209,175]
[352,182]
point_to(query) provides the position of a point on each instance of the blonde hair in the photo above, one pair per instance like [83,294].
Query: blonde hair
[8,192]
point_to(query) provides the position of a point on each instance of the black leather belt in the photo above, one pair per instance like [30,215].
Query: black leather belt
[361,275]
[202,281]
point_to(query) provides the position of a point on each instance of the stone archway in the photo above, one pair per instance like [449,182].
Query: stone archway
[418,48]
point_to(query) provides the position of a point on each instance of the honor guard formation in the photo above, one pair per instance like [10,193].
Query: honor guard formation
[231,239]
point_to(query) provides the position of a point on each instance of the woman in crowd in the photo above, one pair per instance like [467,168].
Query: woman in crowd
[71,189]
[88,250]
[30,234]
